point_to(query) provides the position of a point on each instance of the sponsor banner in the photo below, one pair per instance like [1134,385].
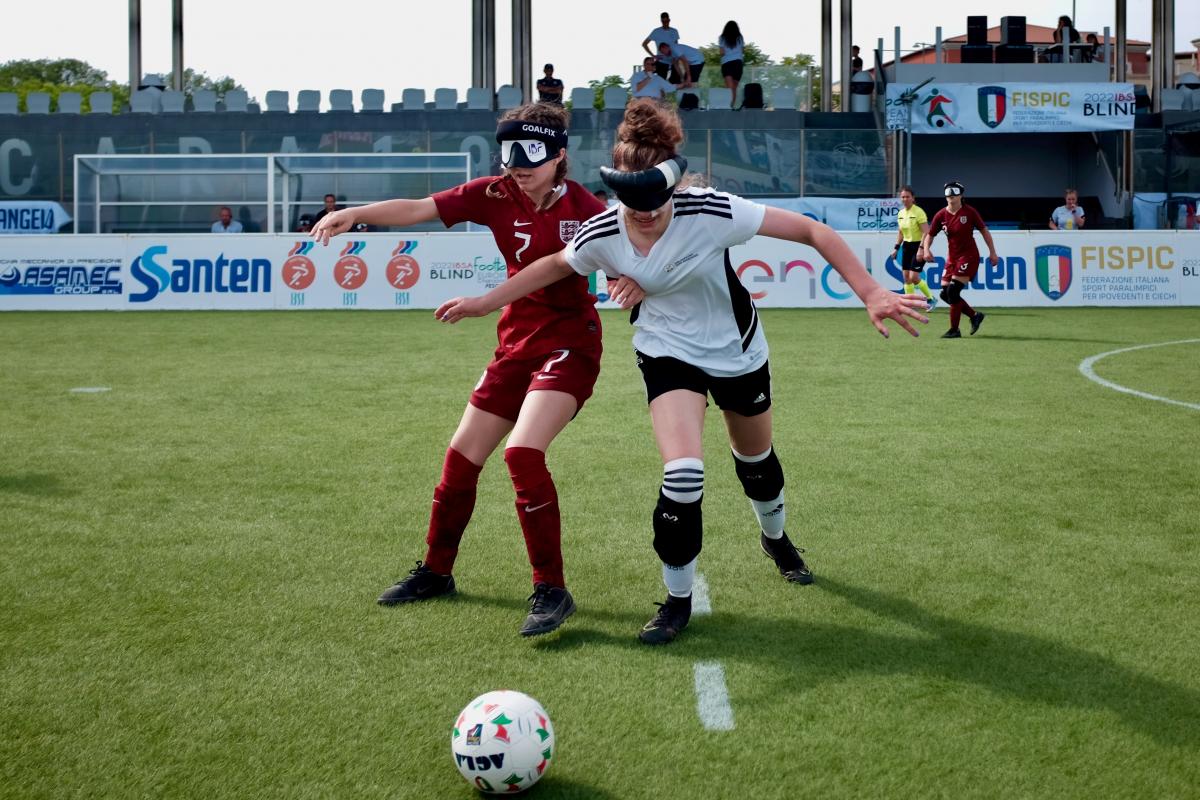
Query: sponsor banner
[841,213]
[380,271]
[31,216]
[1013,107]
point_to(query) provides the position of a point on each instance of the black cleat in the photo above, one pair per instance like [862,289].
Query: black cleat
[549,607]
[672,617]
[422,583]
[976,321]
[953,333]
[787,558]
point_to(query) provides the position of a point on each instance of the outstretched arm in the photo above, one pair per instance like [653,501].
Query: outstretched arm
[541,273]
[387,212]
[880,303]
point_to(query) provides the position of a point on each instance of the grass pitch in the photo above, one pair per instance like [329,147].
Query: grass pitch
[1006,553]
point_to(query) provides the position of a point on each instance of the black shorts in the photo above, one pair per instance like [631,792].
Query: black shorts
[732,69]
[662,69]
[908,257]
[748,395]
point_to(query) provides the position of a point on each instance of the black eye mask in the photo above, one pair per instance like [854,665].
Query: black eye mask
[528,144]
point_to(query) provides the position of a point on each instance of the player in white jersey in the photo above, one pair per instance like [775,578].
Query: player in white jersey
[698,333]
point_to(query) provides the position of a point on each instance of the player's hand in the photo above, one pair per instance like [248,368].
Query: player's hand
[626,292]
[332,224]
[993,259]
[459,308]
[888,305]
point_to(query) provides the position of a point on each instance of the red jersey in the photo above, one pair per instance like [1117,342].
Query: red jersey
[960,232]
[562,314]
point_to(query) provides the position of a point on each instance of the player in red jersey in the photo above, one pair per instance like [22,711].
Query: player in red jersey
[544,368]
[960,221]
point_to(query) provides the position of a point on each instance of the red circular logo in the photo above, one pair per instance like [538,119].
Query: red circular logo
[298,273]
[403,272]
[350,272]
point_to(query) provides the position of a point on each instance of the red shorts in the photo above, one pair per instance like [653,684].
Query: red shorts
[961,267]
[506,381]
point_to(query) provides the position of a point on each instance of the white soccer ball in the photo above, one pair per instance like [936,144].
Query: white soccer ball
[502,742]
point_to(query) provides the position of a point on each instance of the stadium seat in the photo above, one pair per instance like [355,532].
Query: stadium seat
[278,101]
[720,97]
[582,97]
[372,100]
[8,102]
[341,100]
[445,99]
[1192,103]
[37,103]
[145,101]
[100,102]
[480,97]
[236,100]
[1173,99]
[204,100]
[615,97]
[70,103]
[412,100]
[173,102]
[308,100]
[783,98]
[1188,80]
[508,97]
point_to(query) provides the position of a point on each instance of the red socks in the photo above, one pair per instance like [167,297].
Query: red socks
[453,503]
[537,509]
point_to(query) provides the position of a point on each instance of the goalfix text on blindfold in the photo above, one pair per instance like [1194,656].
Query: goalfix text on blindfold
[528,144]
[648,189]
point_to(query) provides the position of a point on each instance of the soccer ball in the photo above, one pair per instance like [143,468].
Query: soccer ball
[502,742]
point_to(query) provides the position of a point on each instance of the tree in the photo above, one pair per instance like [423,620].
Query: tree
[599,86]
[800,63]
[193,81]
[56,76]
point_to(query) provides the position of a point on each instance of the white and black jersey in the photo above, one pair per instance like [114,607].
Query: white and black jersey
[696,309]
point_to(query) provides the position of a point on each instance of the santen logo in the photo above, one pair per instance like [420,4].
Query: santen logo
[198,276]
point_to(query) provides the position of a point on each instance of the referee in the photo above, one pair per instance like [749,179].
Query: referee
[912,226]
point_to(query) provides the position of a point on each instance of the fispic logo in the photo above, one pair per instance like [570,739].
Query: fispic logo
[298,271]
[350,271]
[198,276]
[1053,269]
[403,271]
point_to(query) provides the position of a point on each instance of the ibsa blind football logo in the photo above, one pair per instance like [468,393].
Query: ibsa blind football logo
[298,270]
[350,271]
[403,271]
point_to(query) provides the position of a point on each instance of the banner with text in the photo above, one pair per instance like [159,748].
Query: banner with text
[31,216]
[381,271]
[1012,107]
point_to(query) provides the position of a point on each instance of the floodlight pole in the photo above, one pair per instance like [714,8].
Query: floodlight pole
[177,45]
[135,45]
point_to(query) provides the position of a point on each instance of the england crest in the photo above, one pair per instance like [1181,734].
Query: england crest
[1053,269]
[993,105]
[567,229]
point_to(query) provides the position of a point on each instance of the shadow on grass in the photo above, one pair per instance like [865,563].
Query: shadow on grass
[552,787]
[36,484]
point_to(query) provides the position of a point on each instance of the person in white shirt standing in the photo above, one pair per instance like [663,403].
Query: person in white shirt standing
[1069,216]
[697,333]
[649,83]
[664,34]
[226,223]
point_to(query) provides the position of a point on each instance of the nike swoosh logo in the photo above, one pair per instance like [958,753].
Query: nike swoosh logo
[530,510]
[519,224]
[544,377]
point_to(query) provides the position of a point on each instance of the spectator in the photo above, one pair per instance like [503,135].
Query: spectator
[688,63]
[603,197]
[550,88]
[732,57]
[226,223]
[1064,34]
[856,62]
[331,205]
[304,225]
[648,83]
[664,34]
[1093,52]
[1069,215]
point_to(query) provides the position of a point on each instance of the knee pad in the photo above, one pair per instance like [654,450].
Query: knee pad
[678,531]
[761,476]
[952,292]
[683,480]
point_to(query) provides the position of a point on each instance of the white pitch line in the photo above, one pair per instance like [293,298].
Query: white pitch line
[712,698]
[700,601]
[1085,367]
[90,389]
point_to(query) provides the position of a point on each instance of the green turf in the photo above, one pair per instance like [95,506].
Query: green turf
[1006,557]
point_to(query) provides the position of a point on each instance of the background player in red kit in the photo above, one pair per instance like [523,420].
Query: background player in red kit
[544,368]
[960,221]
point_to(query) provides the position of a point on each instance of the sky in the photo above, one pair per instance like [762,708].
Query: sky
[360,44]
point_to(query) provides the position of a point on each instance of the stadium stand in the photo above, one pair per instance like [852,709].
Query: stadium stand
[445,99]
[8,102]
[480,98]
[411,100]
[372,100]
[37,103]
[308,101]
[583,98]
[204,100]
[236,100]
[145,101]
[277,102]
[101,102]
[508,97]
[615,97]
[70,103]
[173,102]
[720,97]
[341,100]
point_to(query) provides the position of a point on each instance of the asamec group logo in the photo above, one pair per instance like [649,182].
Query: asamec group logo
[218,275]
[298,271]
[58,276]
